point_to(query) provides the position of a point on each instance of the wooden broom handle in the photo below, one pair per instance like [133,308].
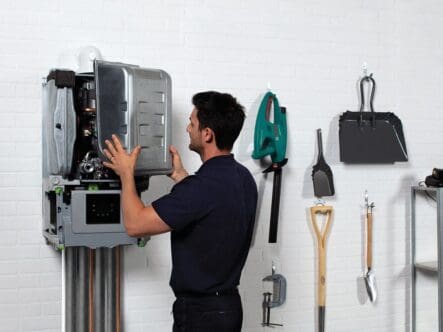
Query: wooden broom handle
[369,241]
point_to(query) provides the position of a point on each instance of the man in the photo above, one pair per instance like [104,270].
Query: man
[210,215]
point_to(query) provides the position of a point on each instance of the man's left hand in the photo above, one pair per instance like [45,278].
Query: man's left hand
[121,162]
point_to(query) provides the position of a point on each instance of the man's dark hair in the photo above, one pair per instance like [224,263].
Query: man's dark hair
[222,113]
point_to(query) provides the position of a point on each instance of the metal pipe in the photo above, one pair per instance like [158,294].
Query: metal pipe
[82,287]
[70,290]
[98,291]
[117,287]
[111,289]
[91,290]
[440,258]
[63,302]
[93,286]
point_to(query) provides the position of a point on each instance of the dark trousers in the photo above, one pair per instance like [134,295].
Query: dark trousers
[222,313]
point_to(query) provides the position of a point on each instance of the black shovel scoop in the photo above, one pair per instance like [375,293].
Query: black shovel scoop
[321,173]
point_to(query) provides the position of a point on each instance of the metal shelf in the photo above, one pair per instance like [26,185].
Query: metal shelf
[431,266]
[435,267]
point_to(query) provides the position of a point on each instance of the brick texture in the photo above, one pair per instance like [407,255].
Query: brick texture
[311,54]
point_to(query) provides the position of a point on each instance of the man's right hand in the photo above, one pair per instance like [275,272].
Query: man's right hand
[178,171]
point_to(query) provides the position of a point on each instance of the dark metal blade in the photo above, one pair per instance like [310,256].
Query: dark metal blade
[321,318]
[321,173]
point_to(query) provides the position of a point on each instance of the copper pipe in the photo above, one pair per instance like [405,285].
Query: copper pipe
[117,285]
[91,290]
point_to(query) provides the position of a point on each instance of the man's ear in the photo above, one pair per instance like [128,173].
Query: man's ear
[208,135]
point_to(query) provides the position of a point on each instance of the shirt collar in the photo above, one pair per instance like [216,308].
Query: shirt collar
[217,161]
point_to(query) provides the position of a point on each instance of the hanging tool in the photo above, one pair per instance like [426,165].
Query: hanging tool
[321,243]
[371,137]
[270,139]
[321,173]
[371,286]
[278,298]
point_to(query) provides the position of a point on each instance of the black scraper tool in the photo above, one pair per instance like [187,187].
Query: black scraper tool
[321,173]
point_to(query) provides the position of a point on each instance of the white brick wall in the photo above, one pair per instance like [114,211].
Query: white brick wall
[311,53]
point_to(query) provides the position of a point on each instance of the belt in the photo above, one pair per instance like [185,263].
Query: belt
[232,291]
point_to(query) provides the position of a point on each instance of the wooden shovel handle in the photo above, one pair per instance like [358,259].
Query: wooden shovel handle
[321,235]
[321,276]
[369,241]
[321,243]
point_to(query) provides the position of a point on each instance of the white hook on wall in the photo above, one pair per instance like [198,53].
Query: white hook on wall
[364,68]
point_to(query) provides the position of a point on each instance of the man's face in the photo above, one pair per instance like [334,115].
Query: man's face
[195,135]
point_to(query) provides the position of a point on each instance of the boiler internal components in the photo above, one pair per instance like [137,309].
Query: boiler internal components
[81,197]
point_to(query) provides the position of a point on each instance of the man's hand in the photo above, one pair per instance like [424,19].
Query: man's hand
[178,171]
[121,162]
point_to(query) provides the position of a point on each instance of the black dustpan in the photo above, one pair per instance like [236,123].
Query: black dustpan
[371,137]
[321,173]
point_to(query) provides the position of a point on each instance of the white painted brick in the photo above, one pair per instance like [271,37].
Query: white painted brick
[40,323]
[39,295]
[52,279]
[29,208]
[8,180]
[8,208]
[12,253]
[46,251]
[28,281]
[8,296]
[23,193]
[8,281]
[9,324]
[7,89]
[51,309]
[6,149]
[21,223]
[19,164]
[8,237]
[38,265]
[28,120]
[30,237]
[29,179]
[30,310]
[9,311]
[7,120]
[311,53]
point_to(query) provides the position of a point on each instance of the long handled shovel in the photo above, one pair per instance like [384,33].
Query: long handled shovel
[369,276]
[321,243]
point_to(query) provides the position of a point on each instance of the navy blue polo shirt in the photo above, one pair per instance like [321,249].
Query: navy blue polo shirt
[212,215]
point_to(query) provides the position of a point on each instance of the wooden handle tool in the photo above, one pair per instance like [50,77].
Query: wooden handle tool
[321,246]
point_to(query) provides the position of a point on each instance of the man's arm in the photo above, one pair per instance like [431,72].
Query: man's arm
[138,219]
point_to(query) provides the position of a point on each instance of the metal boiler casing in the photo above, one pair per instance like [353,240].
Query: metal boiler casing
[81,197]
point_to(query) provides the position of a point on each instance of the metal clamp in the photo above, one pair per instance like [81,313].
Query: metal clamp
[278,297]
